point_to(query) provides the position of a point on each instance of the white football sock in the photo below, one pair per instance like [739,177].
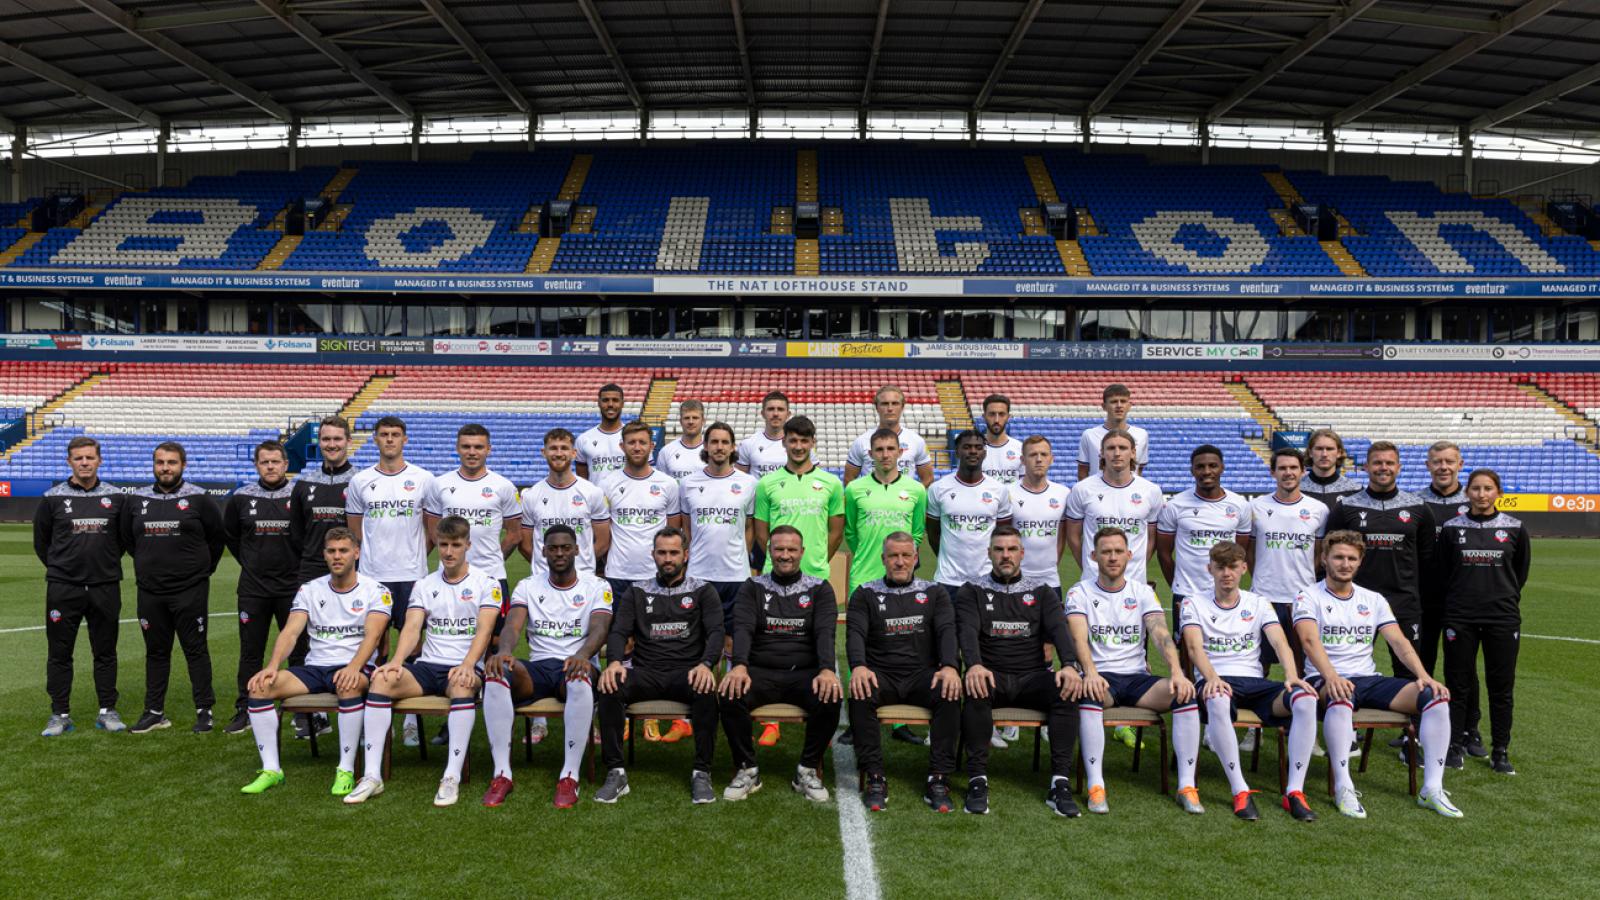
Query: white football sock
[1186,742]
[1337,733]
[499,714]
[579,713]
[376,721]
[351,712]
[264,724]
[463,714]
[1302,738]
[1434,734]
[1224,743]
[1092,737]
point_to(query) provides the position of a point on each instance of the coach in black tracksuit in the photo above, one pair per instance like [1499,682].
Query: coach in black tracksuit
[1484,559]
[1400,535]
[174,532]
[316,502]
[255,527]
[75,535]
[1443,507]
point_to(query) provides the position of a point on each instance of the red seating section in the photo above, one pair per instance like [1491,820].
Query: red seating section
[1384,389]
[802,385]
[561,383]
[1580,390]
[230,380]
[1085,388]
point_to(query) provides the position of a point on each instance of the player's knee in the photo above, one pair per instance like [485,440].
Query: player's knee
[1426,698]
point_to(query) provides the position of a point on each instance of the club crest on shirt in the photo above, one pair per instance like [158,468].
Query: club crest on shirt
[922,597]
[1305,514]
[1054,503]
[1404,515]
[1501,536]
[733,489]
[409,485]
[1246,615]
[1028,600]
[904,497]
[804,601]
[687,602]
[817,486]
[1461,510]
[1361,609]
[356,605]
[105,503]
[183,504]
[1228,512]
[1129,602]
[655,490]
[986,497]
[577,500]
[487,492]
[466,595]
[1135,499]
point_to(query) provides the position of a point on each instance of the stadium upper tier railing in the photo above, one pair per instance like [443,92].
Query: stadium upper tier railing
[759,209]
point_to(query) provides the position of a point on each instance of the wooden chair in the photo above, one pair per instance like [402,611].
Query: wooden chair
[1369,720]
[549,708]
[652,709]
[1138,719]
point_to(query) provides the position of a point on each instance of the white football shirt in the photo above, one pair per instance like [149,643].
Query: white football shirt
[1003,463]
[394,541]
[486,503]
[1038,516]
[1285,538]
[1089,446]
[1199,525]
[578,506]
[1116,623]
[1232,637]
[639,508]
[558,618]
[966,514]
[913,452]
[337,622]
[761,454]
[601,451]
[717,508]
[1133,507]
[1348,626]
[452,613]
[678,460]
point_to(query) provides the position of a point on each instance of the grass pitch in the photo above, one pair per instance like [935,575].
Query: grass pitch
[160,814]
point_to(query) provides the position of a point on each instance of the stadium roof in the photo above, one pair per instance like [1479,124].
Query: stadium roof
[1531,64]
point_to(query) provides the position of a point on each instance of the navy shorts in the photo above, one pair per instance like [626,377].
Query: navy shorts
[319,679]
[1269,656]
[1127,689]
[549,679]
[400,593]
[434,678]
[1372,691]
[619,587]
[728,591]
[1254,694]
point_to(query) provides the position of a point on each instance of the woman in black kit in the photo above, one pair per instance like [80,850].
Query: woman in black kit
[1483,561]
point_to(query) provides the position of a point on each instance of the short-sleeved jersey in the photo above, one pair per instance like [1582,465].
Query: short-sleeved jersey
[486,502]
[1003,463]
[601,451]
[1037,515]
[640,506]
[1232,636]
[761,454]
[578,506]
[1348,626]
[1200,524]
[1089,446]
[1116,623]
[452,613]
[558,618]
[806,501]
[394,541]
[680,460]
[1285,538]
[1134,507]
[717,507]
[336,623]
[966,513]
[873,511]
[913,451]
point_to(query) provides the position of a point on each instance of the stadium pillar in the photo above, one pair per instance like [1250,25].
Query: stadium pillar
[1466,155]
[1327,141]
[533,131]
[1205,143]
[972,126]
[644,125]
[294,144]
[19,146]
[416,137]
[162,137]
[1085,126]
[861,124]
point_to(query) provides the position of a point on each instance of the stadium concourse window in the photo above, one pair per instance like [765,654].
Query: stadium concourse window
[229,316]
[438,320]
[1520,324]
[1459,324]
[974,324]
[1180,324]
[1581,325]
[772,322]
[908,324]
[156,315]
[1109,325]
[689,322]
[1369,324]
[1041,323]
[1316,325]
[840,322]
[508,321]
[1245,325]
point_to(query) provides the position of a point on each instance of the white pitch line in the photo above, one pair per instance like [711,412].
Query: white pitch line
[119,621]
[860,872]
[1557,637]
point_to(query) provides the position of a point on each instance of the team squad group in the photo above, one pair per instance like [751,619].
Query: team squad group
[645,555]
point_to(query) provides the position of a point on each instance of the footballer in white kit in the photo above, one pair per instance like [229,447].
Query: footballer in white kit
[1133,506]
[717,510]
[642,501]
[1286,528]
[680,457]
[1196,520]
[562,498]
[1089,446]
[965,505]
[487,503]
[1003,454]
[1038,506]
[384,504]
[598,452]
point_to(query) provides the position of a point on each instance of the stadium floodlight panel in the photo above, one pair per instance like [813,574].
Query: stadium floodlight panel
[206,137]
[68,141]
[475,129]
[918,125]
[354,132]
[1029,127]
[1434,141]
[589,126]
[1147,132]
[808,124]
[699,124]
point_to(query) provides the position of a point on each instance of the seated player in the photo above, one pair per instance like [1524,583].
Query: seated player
[1338,622]
[458,606]
[1111,616]
[901,644]
[345,615]
[1224,635]
[784,623]
[675,623]
[567,615]
[1004,622]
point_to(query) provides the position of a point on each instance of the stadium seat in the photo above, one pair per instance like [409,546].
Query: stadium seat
[1369,720]
[1138,719]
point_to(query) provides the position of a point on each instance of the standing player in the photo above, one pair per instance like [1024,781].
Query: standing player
[1326,481]
[1116,497]
[1483,564]
[1338,621]
[680,457]
[317,506]
[1111,616]
[562,498]
[901,645]
[1286,529]
[567,614]
[642,501]
[675,624]
[1005,623]
[1037,507]
[1116,400]
[1003,454]
[1224,634]
[383,504]
[803,496]
[76,536]
[1193,522]
[890,402]
[763,451]
[886,501]
[345,616]
[784,623]
[173,531]
[1445,499]
[1400,535]
[963,508]
[255,527]
[457,606]
[599,450]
